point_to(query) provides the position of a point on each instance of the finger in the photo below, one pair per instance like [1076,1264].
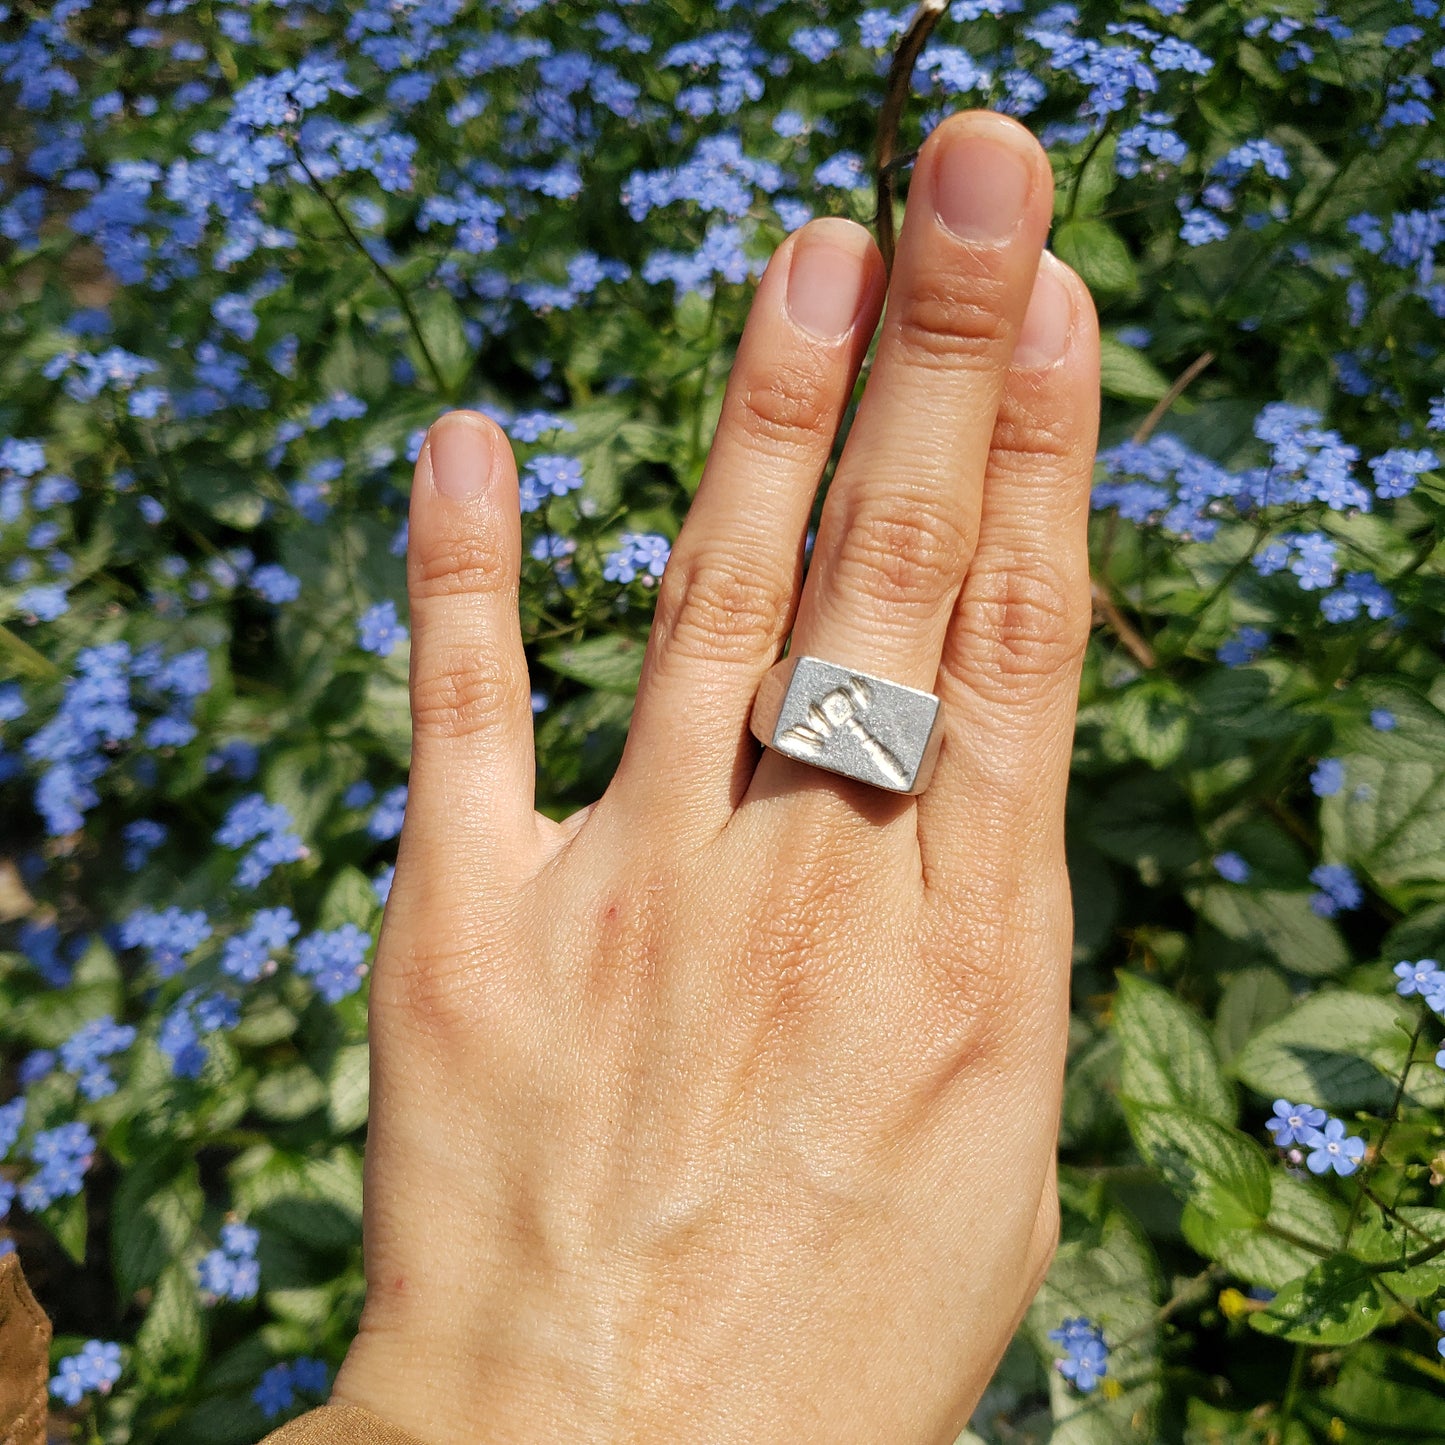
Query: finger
[898,525]
[728,595]
[473,765]
[1010,669]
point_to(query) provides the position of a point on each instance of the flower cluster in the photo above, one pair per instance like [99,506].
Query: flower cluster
[638,554]
[1086,1356]
[281,1383]
[1329,1146]
[95,1369]
[85,1051]
[265,831]
[231,1271]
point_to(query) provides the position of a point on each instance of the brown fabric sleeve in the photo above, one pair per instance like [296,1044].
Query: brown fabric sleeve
[338,1425]
[24,1359]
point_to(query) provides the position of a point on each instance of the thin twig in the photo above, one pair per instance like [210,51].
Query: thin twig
[1390,1122]
[899,87]
[1165,402]
[1106,613]
[390,281]
[1106,610]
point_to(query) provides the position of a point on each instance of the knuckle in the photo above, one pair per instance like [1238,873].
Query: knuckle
[778,409]
[453,702]
[903,552]
[711,607]
[1021,622]
[1037,444]
[466,564]
[953,320]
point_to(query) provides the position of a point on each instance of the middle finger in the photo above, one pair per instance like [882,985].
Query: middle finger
[901,516]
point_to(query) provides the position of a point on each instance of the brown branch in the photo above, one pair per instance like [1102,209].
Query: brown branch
[1107,614]
[900,85]
[1106,610]
[1161,407]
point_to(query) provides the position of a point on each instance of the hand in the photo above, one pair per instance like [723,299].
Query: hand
[726,1109]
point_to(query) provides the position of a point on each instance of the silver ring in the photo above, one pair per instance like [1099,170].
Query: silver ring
[849,722]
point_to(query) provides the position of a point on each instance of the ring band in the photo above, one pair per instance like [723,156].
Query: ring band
[849,722]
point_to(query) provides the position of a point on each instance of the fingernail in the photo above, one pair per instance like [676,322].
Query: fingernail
[1044,335]
[980,183]
[825,278]
[461,457]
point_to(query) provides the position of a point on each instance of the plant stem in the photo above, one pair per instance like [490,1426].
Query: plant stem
[1291,1391]
[385,276]
[896,92]
[1390,1120]
[1165,402]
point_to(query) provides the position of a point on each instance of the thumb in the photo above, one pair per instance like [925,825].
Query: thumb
[473,764]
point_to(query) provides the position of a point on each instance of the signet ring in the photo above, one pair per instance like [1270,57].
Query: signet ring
[849,722]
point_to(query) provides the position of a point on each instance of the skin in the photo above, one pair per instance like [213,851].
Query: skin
[726,1109]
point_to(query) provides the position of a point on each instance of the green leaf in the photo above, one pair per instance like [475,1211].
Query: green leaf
[1143,820]
[1114,1280]
[1389,818]
[1260,1256]
[1334,1304]
[446,340]
[69,1222]
[1129,374]
[171,1339]
[1220,1172]
[1383,1400]
[1251,999]
[348,1084]
[611,663]
[1276,924]
[154,1218]
[349,899]
[1167,1059]
[1098,253]
[1153,717]
[288,1093]
[1325,1052]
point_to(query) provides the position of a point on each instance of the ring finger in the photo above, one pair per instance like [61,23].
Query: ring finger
[901,517]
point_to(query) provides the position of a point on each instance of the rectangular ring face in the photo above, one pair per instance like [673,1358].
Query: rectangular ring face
[853,723]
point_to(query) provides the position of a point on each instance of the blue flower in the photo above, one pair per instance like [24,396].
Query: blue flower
[1086,1356]
[84,1051]
[275,584]
[1340,890]
[1328,777]
[12,1116]
[378,631]
[1424,977]
[1243,647]
[1290,1123]
[1332,1148]
[385,822]
[1383,720]
[548,476]
[231,1271]
[1231,867]
[637,553]
[280,1384]
[94,1370]
[63,1153]
[1398,469]
[275,1394]
[335,961]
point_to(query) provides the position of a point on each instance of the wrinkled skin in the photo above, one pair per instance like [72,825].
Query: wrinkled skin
[726,1109]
